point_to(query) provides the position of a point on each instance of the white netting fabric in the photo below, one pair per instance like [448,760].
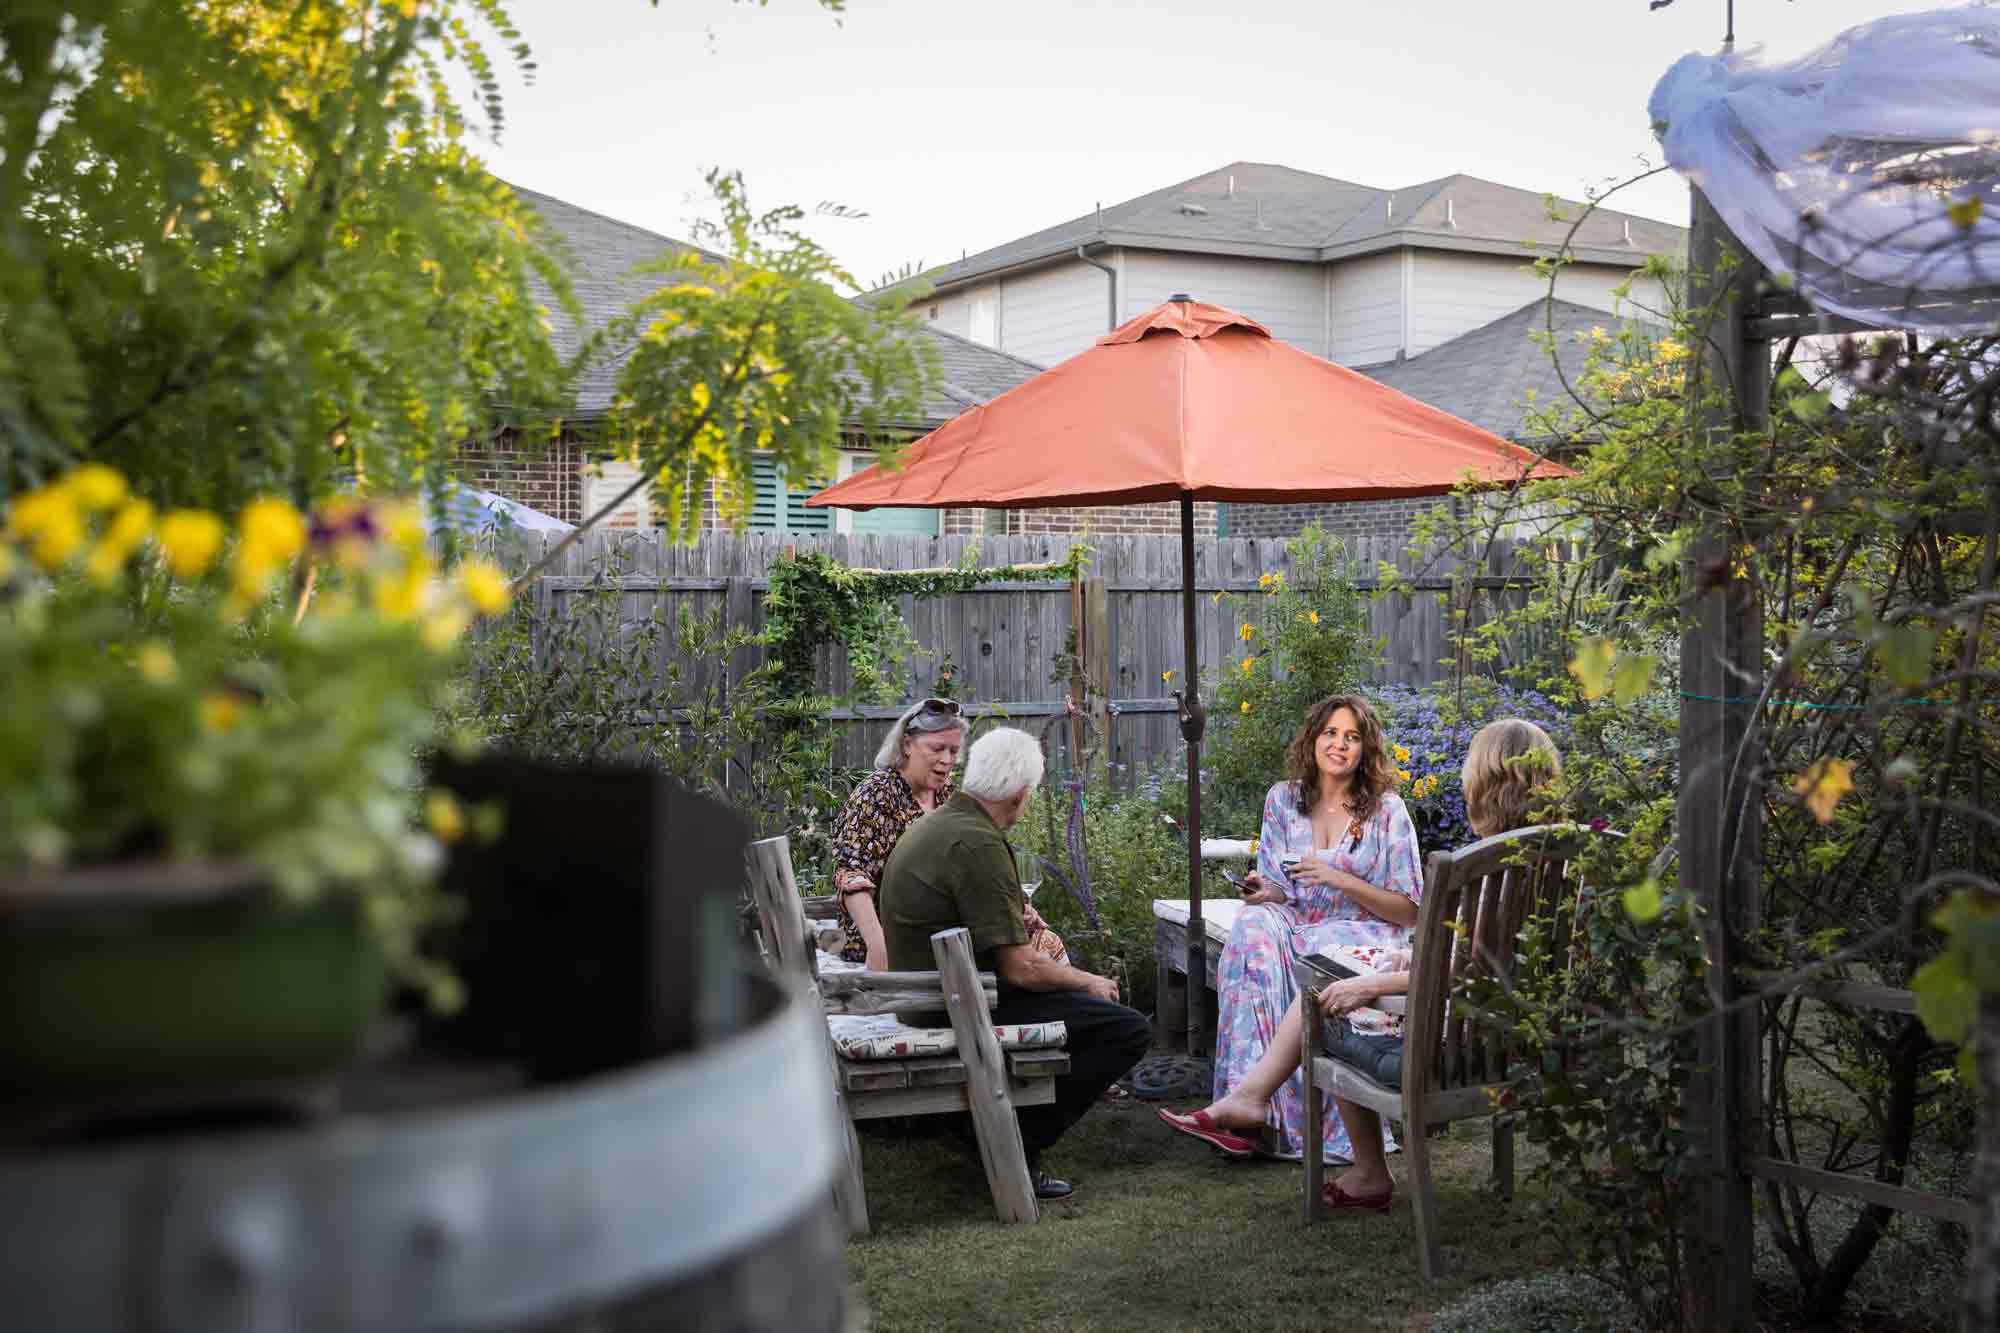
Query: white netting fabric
[1854,170]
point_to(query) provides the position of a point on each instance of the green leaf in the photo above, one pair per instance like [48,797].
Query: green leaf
[1905,653]
[1632,677]
[1946,999]
[1811,406]
[1644,903]
[1592,666]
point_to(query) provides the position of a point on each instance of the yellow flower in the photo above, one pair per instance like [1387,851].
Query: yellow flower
[274,530]
[95,486]
[443,817]
[1215,600]
[50,517]
[1244,706]
[485,586]
[1264,582]
[401,596]
[156,662]
[6,563]
[1253,846]
[191,539]
[1402,754]
[1166,678]
[120,539]
[1313,616]
[1246,631]
[1823,785]
[220,712]
[1249,665]
[442,628]
[1402,775]
[404,524]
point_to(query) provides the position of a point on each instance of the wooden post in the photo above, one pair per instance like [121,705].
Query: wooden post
[986,1094]
[782,920]
[1096,655]
[1079,678]
[1720,821]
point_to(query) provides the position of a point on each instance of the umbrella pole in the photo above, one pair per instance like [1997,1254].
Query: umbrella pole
[1192,723]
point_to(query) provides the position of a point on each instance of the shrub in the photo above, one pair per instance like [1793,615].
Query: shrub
[1303,636]
[1558,1302]
[1430,730]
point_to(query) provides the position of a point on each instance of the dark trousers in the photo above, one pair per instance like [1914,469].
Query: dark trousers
[1105,1040]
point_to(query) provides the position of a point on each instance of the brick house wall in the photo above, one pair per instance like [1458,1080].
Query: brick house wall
[1147,520]
[542,475]
[1378,519]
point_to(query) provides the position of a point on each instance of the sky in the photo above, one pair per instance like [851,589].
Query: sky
[956,126]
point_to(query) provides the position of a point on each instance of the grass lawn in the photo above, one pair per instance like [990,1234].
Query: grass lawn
[1166,1234]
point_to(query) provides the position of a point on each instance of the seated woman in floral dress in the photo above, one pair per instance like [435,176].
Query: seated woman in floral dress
[912,777]
[1505,768]
[1340,867]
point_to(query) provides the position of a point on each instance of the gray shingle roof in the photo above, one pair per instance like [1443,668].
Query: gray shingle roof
[601,255]
[1260,209]
[1487,376]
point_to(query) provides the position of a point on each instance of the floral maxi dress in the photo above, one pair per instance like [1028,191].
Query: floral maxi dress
[1253,978]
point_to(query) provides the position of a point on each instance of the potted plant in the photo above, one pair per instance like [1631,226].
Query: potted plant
[216,848]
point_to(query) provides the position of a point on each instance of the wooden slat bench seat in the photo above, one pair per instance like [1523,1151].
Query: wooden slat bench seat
[979,1078]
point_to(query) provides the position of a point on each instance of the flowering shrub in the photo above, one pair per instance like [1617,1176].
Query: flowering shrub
[1429,731]
[176,691]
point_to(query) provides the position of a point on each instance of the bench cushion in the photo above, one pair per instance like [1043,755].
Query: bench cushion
[881,1037]
[1218,915]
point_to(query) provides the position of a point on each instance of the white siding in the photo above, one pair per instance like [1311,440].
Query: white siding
[1051,314]
[1288,299]
[1367,295]
[1454,293]
[604,479]
[954,313]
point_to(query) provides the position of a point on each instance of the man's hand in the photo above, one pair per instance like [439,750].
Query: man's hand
[1032,919]
[1104,988]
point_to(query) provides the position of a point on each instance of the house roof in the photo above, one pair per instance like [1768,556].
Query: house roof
[1496,374]
[1263,210]
[602,254]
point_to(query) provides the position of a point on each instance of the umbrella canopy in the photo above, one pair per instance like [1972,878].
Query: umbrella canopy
[1190,402]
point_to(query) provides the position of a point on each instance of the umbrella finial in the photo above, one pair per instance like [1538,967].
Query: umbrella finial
[1179,296]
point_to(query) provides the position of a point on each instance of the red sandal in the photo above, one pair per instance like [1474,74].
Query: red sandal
[1332,1196]
[1201,1125]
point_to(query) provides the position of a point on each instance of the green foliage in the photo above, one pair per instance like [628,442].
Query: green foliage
[753,350]
[1135,856]
[1559,1302]
[815,600]
[243,248]
[1303,636]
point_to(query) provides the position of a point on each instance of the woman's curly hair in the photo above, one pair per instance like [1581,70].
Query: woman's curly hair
[1505,766]
[1374,776]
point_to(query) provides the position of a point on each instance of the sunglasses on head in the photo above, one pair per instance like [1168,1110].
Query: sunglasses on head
[934,715]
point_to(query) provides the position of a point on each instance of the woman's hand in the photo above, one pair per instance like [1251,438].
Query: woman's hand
[1253,890]
[1345,996]
[1312,870]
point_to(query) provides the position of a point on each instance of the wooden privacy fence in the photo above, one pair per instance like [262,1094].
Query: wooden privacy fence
[1005,640]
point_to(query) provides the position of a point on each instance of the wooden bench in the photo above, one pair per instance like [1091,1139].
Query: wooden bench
[979,1078]
[1475,901]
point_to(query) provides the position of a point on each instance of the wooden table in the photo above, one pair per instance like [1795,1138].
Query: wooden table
[1170,994]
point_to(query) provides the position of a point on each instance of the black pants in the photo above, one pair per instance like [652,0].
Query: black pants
[1105,1040]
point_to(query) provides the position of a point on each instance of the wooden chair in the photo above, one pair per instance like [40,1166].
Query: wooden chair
[1475,901]
[980,1078]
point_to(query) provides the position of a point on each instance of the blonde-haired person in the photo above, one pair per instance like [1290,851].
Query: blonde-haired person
[1504,770]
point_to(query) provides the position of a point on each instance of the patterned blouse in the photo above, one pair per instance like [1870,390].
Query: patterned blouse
[1381,849]
[868,827]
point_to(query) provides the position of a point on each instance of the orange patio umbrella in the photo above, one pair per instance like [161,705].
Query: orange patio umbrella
[1190,402]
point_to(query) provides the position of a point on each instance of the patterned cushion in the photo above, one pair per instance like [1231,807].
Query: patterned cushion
[881,1037]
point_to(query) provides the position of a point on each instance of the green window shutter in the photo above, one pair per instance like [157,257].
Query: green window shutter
[923,522]
[779,508]
[798,518]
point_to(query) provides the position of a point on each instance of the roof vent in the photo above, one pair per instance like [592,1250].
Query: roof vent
[1261,224]
[1628,231]
[1194,210]
[1232,185]
[1389,209]
[1450,214]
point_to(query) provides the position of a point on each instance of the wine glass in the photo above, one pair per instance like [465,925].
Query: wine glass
[1029,867]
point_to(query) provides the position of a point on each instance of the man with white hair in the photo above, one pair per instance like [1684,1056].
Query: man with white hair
[954,868]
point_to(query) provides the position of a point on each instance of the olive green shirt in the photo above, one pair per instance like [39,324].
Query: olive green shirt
[951,868]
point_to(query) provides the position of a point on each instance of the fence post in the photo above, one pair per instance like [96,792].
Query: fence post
[1095,655]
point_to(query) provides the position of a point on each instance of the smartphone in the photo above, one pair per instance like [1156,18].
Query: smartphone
[1241,885]
[1319,962]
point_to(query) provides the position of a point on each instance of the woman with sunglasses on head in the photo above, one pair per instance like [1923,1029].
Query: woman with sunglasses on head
[912,777]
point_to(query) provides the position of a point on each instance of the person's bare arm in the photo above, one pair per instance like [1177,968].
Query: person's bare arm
[1351,993]
[1021,965]
[861,907]
[1386,904]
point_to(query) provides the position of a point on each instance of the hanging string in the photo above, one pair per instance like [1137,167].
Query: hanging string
[1750,700]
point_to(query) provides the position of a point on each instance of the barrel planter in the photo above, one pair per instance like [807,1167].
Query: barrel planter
[150,982]
[691,1192]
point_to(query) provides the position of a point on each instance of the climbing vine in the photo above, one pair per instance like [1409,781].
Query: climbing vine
[815,599]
